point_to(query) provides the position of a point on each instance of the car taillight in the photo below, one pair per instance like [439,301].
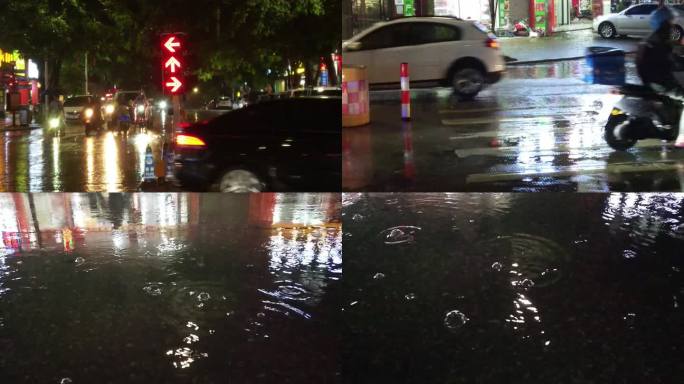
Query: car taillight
[491,43]
[189,141]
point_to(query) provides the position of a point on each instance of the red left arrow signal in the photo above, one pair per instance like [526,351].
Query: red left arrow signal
[173,63]
[170,44]
[174,84]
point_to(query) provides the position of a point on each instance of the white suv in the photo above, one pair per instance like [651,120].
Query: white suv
[438,50]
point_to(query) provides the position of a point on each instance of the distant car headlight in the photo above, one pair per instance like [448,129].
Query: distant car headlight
[109,109]
[162,104]
[88,113]
[54,122]
[141,108]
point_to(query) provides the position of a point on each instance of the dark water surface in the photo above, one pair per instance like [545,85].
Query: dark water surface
[169,288]
[513,288]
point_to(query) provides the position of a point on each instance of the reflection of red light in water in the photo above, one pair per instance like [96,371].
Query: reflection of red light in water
[261,206]
[409,164]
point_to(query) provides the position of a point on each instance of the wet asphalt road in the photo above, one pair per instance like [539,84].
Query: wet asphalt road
[40,160]
[169,288]
[513,288]
[539,129]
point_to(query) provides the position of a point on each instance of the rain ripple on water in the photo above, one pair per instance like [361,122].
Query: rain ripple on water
[400,234]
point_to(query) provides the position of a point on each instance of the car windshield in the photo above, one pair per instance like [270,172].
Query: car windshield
[77,101]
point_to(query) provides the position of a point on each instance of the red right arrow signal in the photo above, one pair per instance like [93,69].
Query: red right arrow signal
[174,84]
[173,63]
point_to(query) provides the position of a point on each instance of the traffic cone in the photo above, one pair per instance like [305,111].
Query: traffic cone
[405,93]
[149,165]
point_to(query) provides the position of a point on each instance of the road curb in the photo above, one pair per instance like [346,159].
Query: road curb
[532,62]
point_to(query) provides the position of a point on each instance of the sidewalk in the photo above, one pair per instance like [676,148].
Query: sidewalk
[558,47]
[6,124]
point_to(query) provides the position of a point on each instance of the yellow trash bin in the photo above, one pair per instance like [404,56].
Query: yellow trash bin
[355,103]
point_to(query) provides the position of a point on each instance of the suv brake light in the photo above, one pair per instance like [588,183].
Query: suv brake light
[189,141]
[492,43]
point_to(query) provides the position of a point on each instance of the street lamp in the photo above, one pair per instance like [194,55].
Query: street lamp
[195,90]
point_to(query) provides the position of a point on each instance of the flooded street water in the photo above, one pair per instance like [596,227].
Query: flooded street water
[513,288]
[169,288]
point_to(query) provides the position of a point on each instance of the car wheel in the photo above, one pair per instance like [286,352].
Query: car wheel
[467,82]
[607,30]
[677,32]
[240,181]
[614,124]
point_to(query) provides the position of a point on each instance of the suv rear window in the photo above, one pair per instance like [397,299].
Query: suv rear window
[77,101]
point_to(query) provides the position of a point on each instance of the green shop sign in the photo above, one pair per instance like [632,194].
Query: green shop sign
[540,14]
[409,9]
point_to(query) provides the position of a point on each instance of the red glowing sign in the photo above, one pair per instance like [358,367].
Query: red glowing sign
[173,64]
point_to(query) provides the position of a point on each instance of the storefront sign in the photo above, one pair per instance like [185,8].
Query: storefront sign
[540,14]
[503,13]
[409,9]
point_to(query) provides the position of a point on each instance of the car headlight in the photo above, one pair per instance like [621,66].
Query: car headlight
[141,108]
[88,113]
[109,109]
[162,104]
[54,122]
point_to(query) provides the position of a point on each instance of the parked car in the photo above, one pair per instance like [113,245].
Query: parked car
[316,91]
[636,21]
[74,105]
[277,145]
[223,102]
[439,51]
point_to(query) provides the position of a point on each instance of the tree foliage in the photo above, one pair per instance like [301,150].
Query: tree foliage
[231,41]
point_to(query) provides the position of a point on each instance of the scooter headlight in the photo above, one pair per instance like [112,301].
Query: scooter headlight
[88,113]
[162,104]
[141,108]
[54,123]
[109,109]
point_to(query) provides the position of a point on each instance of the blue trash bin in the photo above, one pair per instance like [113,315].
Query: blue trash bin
[606,65]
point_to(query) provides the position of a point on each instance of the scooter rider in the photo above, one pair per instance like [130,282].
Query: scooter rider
[656,63]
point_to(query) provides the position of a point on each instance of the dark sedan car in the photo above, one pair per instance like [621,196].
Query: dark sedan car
[278,145]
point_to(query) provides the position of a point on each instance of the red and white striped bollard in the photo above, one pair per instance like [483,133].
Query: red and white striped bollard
[405,93]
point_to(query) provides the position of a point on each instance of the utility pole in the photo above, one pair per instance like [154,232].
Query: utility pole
[47,87]
[86,73]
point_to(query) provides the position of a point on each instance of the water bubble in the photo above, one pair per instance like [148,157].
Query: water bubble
[527,283]
[471,221]
[400,234]
[357,217]
[153,289]
[410,296]
[66,380]
[455,319]
[629,254]
[203,296]
[261,314]
[78,261]
[379,276]
[497,266]
[630,319]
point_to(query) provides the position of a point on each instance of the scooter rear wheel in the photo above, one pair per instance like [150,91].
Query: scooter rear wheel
[619,122]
